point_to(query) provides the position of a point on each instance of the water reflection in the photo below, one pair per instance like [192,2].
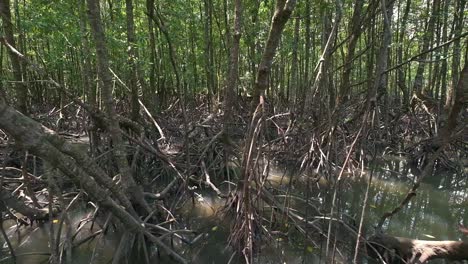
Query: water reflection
[433,214]
[31,243]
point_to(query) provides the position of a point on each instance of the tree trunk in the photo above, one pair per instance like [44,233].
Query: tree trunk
[20,87]
[322,77]
[149,93]
[426,41]
[380,83]
[308,44]
[128,182]
[282,13]
[458,21]
[132,50]
[460,98]
[231,85]
[400,72]
[252,41]
[89,88]
[2,90]
[355,33]
[294,76]
[209,57]
[157,18]
[443,67]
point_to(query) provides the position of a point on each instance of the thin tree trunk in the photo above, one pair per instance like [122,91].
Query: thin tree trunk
[231,85]
[443,67]
[180,90]
[20,87]
[193,50]
[209,58]
[400,72]
[380,83]
[308,38]
[355,31]
[89,88]
[105,76]
[132,50]
[282,13]
[322,77]
[2,90]
[428,35]
[245,224]
[458,20]
[294,76]
[322,80]
[151,90]
[252,41]
[460,99]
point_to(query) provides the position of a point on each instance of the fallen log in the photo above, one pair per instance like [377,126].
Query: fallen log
[394,250]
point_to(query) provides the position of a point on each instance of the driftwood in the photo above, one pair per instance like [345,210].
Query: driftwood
[390,249]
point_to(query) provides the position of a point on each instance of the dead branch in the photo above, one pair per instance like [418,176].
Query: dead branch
[405,250]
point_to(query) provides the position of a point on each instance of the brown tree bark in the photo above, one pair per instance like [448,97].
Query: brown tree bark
[355,32]
[323,78]
[425,45]
[150,91]
[132,51]
[294,77]
[86,69]
[231,84]
[401,74]
[2,90]
[245,227]
[380,82]
[460,98]
[444,66]
[209,52]
[252,42]
[129,185]
[282,13]
[308,44]
[20,87]
[458,22]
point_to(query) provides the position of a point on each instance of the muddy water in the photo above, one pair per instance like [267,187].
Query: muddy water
[31,243]
[434,214]
[441,204]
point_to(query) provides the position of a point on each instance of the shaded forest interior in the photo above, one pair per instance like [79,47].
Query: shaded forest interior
[133,109]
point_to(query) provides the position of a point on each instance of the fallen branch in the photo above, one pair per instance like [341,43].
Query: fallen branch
[12,202]
[39,140]
[412,251]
